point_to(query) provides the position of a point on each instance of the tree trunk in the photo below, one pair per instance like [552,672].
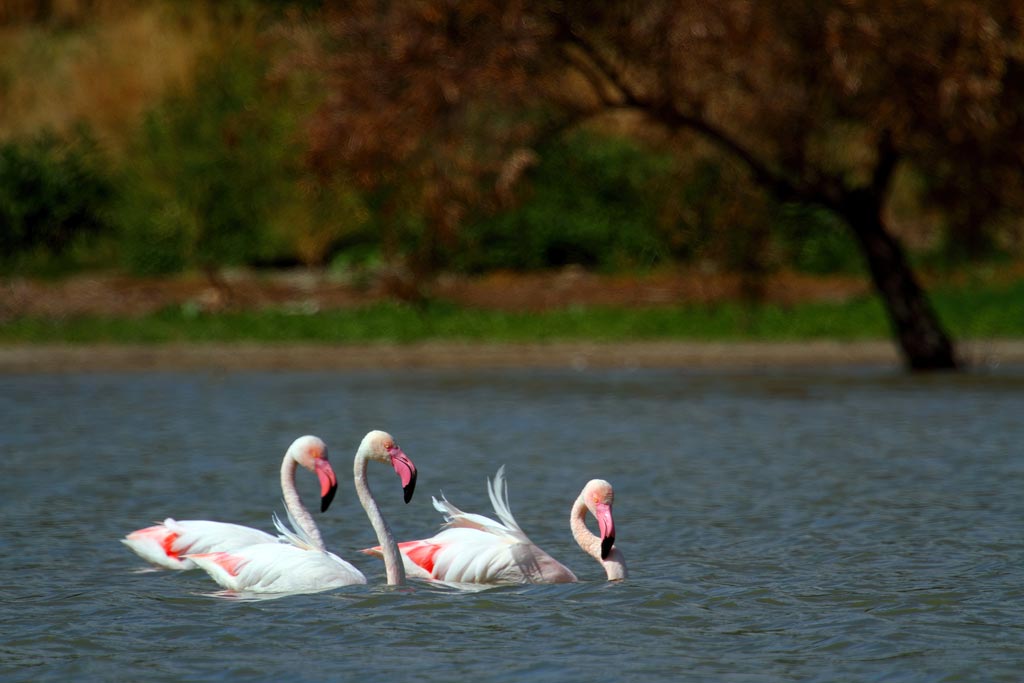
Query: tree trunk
[924,343]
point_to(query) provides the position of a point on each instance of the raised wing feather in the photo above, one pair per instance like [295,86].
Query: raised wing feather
[295,534]
[497,491]
[454,518]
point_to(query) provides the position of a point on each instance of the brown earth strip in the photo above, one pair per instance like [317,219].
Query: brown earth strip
[121,295]
[445,355]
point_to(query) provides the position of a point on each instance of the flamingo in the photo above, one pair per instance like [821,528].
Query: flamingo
[472,548]
[302,566]
[166,544]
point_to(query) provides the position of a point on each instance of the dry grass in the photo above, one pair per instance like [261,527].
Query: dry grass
[103,70]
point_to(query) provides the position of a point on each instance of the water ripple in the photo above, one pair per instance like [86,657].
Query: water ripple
[778,527]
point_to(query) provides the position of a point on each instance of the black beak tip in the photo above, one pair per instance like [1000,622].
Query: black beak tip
[606,546]
[410,488]
[325,502]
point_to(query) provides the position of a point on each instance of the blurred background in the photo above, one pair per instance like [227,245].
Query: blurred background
[847,146]
[311,178]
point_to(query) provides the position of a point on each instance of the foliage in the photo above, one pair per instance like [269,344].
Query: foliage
[819,100]
[591,200]
[813,241]
[947,79]
[443,135]
[211,167]
[54,195]
[424,115]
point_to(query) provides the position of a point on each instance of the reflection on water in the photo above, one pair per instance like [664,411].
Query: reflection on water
[839,525]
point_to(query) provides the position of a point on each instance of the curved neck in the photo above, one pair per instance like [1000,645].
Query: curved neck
[615,565]
[393,565]
[296,510]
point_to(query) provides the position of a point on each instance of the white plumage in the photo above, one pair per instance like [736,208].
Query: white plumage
[303,565]
[472,548]
[167,543]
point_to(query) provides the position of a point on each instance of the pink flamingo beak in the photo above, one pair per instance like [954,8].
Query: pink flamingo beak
[328,483]
[405,470]
[603,513]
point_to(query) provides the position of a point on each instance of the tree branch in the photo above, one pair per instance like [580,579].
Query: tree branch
[602,72]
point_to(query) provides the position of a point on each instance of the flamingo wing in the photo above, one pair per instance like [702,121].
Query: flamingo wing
[459,555]
[166,544]
[497,491]
[278,568]
[469,555]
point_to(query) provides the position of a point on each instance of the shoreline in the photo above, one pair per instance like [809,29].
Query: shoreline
[72,358]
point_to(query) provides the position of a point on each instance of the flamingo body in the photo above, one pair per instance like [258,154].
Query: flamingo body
[278,568]
[476,549]
[166,544]
[463,555]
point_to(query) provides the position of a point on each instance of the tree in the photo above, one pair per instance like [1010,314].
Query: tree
[422,108]
[820,101]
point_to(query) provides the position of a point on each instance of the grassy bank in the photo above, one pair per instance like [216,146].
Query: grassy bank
[969,312]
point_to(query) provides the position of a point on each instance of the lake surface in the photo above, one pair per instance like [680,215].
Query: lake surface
[779,526]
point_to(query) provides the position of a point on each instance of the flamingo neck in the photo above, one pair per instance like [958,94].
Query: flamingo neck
[393,566]
[615,564]
[296,510]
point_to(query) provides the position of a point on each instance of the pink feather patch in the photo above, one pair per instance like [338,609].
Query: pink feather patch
[168,545]
[232,564]
[422,554]
[161,536]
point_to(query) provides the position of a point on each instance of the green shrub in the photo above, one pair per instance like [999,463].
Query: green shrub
[814,240]
[592,200]
[607,203]
[210,170]
[54,195]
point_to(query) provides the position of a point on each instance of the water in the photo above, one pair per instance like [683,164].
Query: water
[810,526]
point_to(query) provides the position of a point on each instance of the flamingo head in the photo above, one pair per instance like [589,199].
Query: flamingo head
[311,453]
[598,496]
[381,446]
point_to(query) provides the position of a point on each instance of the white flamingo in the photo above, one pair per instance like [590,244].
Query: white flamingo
[476,549]
[302,566]
[166,544]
